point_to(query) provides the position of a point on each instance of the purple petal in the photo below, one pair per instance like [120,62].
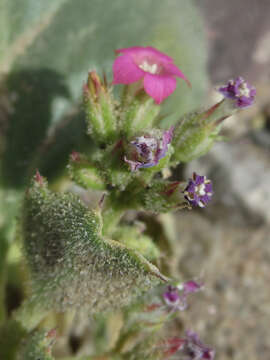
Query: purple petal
[159,87]
[166,140]
[191,287]
[171,296]
[134,165]
[240,91]
[209,188]
[244,101]
[125,71]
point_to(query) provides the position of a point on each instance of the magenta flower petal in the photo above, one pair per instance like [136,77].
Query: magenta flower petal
[140,51]
[125,71]
[159,54]
[171,69]
[159,87]
[156,68]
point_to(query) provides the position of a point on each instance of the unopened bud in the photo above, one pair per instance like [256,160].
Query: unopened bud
[100,109]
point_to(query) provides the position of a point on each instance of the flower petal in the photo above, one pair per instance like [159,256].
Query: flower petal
[159,87]
[171,69]
[125,71]
[159,54]
[146,51]
[166,140]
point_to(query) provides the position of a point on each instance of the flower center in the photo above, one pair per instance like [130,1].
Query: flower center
[150,68]
[200,190]
[146,147]
[244,90]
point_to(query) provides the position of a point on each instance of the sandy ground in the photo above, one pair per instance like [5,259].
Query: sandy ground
[228,244]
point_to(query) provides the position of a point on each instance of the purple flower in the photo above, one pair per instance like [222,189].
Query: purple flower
[172,297]
[240,91]
[176,297]
[190,287]
[198,191]
[155,68]
[145,151]
[194,349]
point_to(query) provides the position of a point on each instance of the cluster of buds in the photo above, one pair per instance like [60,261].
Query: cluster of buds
[148,74]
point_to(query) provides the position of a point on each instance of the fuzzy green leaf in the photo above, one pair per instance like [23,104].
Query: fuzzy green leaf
[71,264]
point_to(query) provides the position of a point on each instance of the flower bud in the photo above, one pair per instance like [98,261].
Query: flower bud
[100,109]
[196,133]
[84,173]
[139,113]
[145,151]
[164,196]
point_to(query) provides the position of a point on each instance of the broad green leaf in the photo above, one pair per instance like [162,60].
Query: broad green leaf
[72,265]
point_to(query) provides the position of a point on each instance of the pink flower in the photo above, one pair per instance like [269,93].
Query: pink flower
[155,68]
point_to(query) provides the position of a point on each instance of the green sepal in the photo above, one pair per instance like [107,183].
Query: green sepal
[140,114]
[71,264]
[132,237]
[100,110]
[164,196]
[196,133]
[84,173]
[112,167]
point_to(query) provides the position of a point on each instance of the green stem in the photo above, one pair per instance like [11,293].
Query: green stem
[111,218]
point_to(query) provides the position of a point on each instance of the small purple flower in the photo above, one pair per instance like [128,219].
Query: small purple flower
[176,297]
[198,191]
[240,91]
[194,349]
[171,296]
[145,151]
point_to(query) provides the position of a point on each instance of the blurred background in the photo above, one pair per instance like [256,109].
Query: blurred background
[229,242]
[46,49]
